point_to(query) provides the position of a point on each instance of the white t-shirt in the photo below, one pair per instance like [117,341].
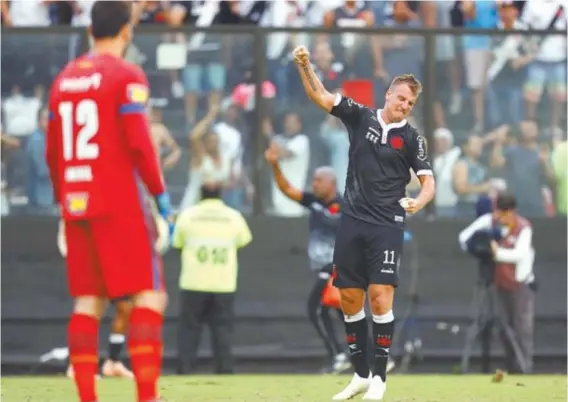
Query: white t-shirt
[29,13]
[84,18]
[295,170]
[538,14]
[443,170]
[208,171]
[20,115]
[230,141]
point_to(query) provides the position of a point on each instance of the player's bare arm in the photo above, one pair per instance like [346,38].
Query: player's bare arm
[421,166]
[427,191]
[271,156]
[196,135]
[312,84]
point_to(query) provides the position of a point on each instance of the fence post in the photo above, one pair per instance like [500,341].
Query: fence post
[429,100]
[257,143]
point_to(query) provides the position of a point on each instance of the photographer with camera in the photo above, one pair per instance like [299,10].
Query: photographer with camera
[502,242]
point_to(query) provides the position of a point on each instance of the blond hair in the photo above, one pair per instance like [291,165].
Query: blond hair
[413,83]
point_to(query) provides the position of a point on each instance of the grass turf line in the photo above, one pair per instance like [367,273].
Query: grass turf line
[297,388]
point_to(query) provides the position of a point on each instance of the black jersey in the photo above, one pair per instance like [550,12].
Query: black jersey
[380,158]
[324,220]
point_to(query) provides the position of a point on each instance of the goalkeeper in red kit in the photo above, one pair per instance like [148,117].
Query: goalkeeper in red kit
[103,166]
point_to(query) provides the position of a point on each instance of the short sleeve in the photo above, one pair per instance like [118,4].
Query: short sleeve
[417,156]
[347,110]
[307,199]
[134,92]
[298,145]
[244,235]
[178,236]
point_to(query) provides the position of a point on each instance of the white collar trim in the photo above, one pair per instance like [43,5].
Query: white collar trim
[387,127]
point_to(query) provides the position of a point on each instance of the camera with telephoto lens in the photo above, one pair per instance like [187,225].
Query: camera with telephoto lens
[479,246]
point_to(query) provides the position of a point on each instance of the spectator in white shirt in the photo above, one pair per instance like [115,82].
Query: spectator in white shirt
[20,121]
[549,67]
[228,131]
[208,162]
[447,154]
[82,13]
[293,150]
[26,13]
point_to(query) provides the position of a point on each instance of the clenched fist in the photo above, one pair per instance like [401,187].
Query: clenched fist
[301,56]
[271,155]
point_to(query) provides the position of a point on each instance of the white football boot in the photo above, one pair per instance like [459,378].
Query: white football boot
[357,386]
[376,390]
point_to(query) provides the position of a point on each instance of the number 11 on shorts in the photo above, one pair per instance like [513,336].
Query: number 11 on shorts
[389,257]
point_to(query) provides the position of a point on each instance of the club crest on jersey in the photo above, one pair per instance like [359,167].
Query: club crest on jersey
[77,203]
[396,142]
[333,208]
[137,93]
[422,148]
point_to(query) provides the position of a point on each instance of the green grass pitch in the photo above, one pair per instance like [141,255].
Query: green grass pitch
[298,388]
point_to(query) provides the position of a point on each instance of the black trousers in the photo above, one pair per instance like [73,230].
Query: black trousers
[195,310]
[320,315]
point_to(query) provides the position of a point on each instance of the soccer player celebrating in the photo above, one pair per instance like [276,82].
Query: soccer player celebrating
[324,206]
[383,148]
[100,157]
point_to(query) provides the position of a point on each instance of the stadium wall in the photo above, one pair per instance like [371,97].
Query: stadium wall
[273,286]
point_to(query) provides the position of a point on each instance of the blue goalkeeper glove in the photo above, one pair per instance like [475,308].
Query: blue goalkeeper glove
[165,210]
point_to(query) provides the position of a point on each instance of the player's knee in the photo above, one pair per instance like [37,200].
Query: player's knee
[352,301]
[151,299]
[90,305]
[381,298]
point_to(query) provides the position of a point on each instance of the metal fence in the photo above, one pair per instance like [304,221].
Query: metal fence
[487,127]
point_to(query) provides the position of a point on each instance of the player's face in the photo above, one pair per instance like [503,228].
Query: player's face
[399,102]
[321,186]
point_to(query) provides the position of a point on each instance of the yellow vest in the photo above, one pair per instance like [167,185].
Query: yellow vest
[209,234]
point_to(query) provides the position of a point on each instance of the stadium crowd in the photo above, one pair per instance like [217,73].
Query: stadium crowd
[499,118]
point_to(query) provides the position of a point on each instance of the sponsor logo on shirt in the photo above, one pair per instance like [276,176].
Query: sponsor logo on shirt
[137,93]
[422,148]
[77,203]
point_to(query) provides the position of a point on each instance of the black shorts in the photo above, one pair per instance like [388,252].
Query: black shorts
[366,254]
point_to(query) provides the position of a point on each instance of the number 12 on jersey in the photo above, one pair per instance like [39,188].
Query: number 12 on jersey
[84,114]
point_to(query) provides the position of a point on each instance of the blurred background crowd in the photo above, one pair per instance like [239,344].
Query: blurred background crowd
[498,118]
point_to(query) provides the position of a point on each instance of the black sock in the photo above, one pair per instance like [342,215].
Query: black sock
[358,341]
[382,339]
[115,344]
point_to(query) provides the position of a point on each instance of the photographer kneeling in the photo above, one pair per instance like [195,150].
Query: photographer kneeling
[506,238]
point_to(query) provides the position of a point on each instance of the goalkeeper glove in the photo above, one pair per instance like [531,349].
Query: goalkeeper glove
[165,209]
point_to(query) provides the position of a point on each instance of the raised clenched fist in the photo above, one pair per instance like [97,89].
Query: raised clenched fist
[301,56]
[271,155]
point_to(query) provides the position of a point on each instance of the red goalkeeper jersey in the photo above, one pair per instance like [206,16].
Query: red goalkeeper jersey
[99,150]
